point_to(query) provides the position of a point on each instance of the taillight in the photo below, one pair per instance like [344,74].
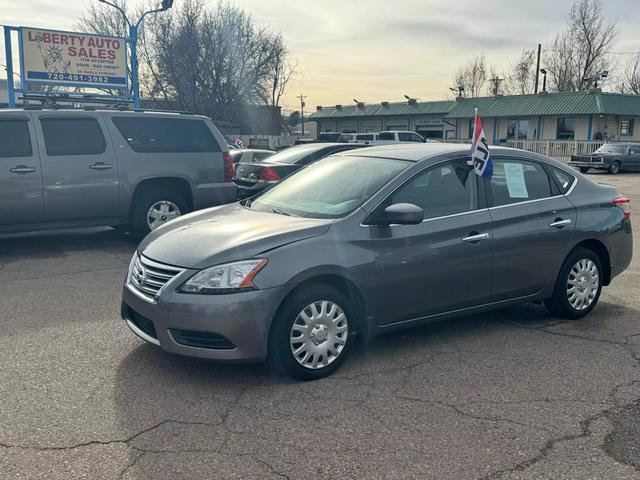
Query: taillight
[623,203]
[228,167]
[269,175]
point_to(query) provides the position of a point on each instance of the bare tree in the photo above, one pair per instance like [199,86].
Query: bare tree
[281,71]
[581,50]
[205,60]
[520,80]
[631,78]
[472,76]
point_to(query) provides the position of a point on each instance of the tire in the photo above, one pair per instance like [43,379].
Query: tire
[140,226]
[615,168]
[584,169]
[565,305]
[281,357]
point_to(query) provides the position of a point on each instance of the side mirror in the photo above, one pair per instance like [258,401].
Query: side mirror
[403,214]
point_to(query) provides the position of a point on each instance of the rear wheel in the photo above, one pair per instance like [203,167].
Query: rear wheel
[584,169]
[578,286]
[153,209]
[310,337]
[615,168]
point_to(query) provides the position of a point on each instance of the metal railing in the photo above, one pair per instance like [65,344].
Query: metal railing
[558,149]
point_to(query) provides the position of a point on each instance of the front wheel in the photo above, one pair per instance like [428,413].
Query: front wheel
[578,285]
[584,169]
[615,168]
[310,337]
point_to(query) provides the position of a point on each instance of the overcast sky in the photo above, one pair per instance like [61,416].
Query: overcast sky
[374,50]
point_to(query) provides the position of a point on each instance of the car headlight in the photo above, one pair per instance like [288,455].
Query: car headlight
[227,278]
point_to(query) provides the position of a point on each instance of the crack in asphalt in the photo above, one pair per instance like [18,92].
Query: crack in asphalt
[456,408]
[585,431]
[585,424]
[405,372]
[105,442]
[544,329]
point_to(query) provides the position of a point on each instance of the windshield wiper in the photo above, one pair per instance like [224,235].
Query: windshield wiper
[282,212]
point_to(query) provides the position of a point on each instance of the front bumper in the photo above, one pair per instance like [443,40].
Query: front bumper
[242,319]
[597,165]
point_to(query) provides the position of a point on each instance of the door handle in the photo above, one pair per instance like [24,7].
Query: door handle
[22,169]
[559,223]
[100,166]
[475,238]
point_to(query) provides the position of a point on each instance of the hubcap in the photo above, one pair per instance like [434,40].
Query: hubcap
[582,284]
[161,212]
[319,334]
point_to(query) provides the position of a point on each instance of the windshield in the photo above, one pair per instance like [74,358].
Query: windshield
[609,148]
[331,188]
[292,154]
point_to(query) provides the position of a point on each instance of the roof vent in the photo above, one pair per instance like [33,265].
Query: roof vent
[385,104]
[338,107]
[319,107]
[595,90]
[544,92]
[412,101]
[360,104]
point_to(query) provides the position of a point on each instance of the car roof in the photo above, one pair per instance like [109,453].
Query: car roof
[259,150]
[412,152]
[397,131]
[101,109]
[416,152]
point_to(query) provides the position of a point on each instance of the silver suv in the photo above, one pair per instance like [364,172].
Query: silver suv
[71,168]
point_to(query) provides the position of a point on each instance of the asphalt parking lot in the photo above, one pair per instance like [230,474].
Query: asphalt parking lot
[513,394]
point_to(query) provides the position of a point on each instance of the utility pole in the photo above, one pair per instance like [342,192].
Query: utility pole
[496,85]
[302,97]
[535,90]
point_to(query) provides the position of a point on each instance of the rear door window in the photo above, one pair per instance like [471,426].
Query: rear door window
[15,140]
[166,135]
[66,136]
[515,181]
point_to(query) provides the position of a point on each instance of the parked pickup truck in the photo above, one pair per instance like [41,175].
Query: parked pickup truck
[79,167]
[614,157]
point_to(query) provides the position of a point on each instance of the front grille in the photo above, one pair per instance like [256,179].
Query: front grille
[143,323]
[191,338]
[147,277]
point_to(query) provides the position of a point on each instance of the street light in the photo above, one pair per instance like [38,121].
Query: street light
[543,71]
[133,41]
[596,78]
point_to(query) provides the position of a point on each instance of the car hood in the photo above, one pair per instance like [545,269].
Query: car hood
[225,234]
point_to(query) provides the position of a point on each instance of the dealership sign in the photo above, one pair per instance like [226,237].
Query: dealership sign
[78,59]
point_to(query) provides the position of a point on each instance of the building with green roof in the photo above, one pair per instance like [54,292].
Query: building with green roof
[576,116]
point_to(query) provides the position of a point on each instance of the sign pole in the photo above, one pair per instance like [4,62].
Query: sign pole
[9,56]
[133,40]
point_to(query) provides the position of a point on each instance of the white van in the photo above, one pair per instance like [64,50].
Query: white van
[398,136]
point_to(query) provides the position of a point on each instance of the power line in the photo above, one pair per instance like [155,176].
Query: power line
[608,53]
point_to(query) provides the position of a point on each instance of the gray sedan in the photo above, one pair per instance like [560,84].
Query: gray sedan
[369,241]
